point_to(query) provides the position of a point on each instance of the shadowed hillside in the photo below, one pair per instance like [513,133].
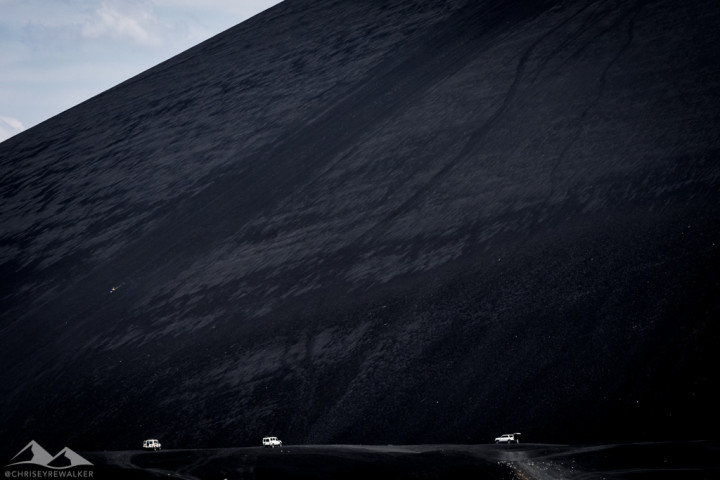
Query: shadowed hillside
[380,222]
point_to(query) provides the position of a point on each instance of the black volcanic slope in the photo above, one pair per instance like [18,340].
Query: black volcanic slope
[380,222]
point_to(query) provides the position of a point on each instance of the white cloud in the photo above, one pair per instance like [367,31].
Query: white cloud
[9,127]
[238,9]
[135,21]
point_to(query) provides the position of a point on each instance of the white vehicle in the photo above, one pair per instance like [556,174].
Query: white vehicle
[152,443]
[272,442]
[508,438]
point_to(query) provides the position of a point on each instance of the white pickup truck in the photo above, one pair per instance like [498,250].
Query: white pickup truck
[271,442]
[508,438]
[152,443]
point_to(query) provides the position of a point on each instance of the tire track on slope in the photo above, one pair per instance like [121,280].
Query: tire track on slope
[593,17]
[472,142]
[602,81]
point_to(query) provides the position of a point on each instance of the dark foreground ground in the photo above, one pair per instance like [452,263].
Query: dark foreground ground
[657,460]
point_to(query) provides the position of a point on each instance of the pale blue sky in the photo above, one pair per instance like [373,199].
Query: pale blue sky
[55,54]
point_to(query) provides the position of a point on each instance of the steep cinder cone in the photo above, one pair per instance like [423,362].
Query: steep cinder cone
[380,222]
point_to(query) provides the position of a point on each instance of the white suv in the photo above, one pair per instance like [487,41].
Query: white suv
[152,443]
[272,442]
[508,438]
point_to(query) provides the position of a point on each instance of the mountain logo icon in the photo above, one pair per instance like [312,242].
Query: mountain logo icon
[34,454]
